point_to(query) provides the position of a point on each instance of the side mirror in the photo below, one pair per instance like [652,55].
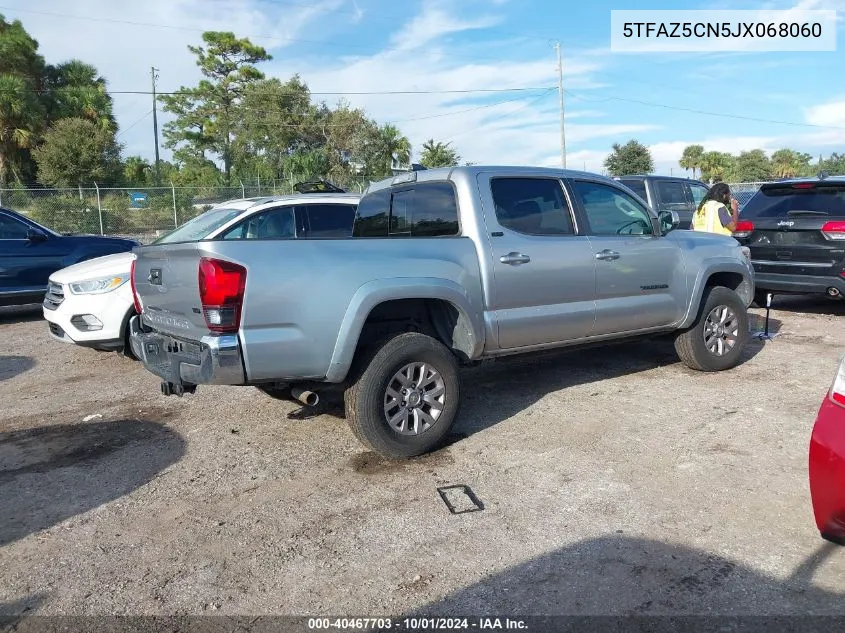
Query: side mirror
[669,221]
[35,236]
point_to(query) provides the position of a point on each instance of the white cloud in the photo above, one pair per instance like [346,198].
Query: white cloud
[433,23]
[831,114]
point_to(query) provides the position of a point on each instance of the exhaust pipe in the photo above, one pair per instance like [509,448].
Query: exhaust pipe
[308,398]
[833,292]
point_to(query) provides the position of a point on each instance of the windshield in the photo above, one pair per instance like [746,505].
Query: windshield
[200,227]
[776,202]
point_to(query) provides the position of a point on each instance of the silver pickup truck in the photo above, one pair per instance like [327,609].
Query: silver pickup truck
[445,267]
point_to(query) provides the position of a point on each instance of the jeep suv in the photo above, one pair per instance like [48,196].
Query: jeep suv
[666,193]
[795,230]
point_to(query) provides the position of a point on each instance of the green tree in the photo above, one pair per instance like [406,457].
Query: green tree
[276,119]
[438,154]
[78,151]
[631,158]
[834,164]
[137,171]
[21,112]
[207,115]
[397,146]
[75,89]
[715,165]
[306,165]
[21,119]
[787,163]
[752,166]
[691,158]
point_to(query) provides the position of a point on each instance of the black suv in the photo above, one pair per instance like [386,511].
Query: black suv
[795,230]
[666,193]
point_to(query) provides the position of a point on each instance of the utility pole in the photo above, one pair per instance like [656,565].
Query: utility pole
[560,94]
[155,123]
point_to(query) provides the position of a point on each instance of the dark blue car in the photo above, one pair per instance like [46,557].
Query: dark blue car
[30,253]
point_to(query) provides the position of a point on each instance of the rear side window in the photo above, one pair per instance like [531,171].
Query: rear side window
[327,220]
[637,186]
[776,202]
[671,196]
[427,209]
[532,206]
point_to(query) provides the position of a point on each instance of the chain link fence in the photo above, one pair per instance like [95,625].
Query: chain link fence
[743,191]
[139,213]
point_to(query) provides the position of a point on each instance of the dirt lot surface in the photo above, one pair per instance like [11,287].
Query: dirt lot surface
[613,481]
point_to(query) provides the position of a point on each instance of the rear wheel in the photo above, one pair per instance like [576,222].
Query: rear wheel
[716,340]
[404,396]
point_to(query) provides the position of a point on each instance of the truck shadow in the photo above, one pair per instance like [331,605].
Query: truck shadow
[496,391]
[623,576]
[11,366]
[51,473]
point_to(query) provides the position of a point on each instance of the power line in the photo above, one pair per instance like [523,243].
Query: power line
[705,112]
[547,92]
[126,129]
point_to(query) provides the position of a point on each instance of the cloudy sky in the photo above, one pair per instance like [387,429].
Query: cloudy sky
[797,100]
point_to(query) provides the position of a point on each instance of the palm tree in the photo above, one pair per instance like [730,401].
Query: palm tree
[78,91]
[691,158]
[438,154]
[398,147]
[716,164]
[21,116]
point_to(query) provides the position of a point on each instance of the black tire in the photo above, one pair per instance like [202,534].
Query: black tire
[365,397]
[690,344]
[126,352]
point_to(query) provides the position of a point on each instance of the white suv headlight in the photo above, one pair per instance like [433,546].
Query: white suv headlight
[98,286]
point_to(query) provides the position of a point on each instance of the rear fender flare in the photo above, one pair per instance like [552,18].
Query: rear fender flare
[371,294]
[709,268]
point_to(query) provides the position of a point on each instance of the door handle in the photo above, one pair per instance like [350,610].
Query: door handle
[514,259]
[607,255]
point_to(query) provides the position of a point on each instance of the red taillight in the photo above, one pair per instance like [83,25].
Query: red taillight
[744,228]
[803,185]
[135,298]
[222,286]
[837,390]
[834,230]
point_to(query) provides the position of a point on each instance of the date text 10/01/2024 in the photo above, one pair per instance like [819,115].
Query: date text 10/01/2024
[416,624]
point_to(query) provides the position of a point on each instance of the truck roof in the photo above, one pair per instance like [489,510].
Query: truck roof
[471,171]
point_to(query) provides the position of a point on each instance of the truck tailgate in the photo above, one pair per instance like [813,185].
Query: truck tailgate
[167,283]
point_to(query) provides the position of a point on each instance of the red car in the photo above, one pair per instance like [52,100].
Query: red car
[827,462]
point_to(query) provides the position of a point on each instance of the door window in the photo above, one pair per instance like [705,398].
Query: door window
[532,206]
[611,211]
[637,186]
[328,220]
[698,193]
[12,229]
[671,195]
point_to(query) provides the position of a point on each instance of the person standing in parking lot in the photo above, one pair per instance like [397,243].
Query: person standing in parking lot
[712,215]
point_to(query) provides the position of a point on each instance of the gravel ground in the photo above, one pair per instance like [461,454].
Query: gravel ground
[613,481]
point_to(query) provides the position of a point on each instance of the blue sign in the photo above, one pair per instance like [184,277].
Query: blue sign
[139,200]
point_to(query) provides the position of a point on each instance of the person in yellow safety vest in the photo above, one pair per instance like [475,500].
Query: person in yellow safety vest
[712,215]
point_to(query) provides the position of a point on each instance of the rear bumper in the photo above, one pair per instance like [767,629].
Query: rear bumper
[215,360]
[801,284]
[827,471]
